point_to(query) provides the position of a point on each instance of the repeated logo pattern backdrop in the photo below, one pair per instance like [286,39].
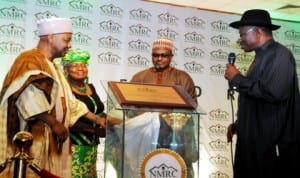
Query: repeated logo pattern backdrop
[119,35]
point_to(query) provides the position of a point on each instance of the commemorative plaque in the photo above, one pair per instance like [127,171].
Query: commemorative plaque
[151,95]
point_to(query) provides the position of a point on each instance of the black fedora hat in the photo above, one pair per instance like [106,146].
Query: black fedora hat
[255,17]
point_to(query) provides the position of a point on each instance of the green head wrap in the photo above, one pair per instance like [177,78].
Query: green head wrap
[76,56]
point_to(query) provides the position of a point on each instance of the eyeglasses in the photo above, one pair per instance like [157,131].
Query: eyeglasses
[78,65]
[156,55]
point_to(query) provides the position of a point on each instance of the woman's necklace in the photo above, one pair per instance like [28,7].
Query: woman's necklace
[82,89]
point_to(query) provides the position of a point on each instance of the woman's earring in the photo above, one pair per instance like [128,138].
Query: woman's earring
[86,80]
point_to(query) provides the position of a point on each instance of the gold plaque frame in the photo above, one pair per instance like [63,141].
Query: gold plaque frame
[151,95]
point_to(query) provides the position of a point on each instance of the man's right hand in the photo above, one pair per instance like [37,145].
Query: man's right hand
[60,131]
[230,72]
[57,128]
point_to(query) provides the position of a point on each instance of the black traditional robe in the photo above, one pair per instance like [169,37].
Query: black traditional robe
[268,116]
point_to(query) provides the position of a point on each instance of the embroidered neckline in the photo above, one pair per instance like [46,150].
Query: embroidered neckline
[81,89]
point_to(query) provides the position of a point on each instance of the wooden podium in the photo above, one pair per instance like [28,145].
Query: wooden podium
[152,131]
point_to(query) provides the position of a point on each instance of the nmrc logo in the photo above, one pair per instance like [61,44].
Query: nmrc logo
[163,171]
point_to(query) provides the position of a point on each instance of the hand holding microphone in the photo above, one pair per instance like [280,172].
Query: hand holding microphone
[231,69]
[230,72]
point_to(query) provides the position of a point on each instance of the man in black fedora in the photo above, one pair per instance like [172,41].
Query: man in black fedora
[267,125]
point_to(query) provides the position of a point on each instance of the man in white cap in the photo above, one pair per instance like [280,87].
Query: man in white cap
[37,98]
[268,119]
[163,73]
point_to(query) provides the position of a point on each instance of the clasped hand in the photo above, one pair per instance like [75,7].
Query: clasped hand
[60,131]
[101,121]
[231,71]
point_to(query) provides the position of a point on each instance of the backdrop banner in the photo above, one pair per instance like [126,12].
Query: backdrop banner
[119,35]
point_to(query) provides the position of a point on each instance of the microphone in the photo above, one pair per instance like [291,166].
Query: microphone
[231,60]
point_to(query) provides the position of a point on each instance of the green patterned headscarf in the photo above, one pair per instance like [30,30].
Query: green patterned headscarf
[76,56]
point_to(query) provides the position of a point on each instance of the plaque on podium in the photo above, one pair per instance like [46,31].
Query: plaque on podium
[152,131]
[150,95]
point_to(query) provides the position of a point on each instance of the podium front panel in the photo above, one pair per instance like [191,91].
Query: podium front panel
[144,142]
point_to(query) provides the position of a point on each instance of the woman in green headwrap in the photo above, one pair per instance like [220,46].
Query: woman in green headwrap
[84,134]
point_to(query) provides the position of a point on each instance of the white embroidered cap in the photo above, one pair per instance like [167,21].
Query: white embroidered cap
[54,25]
[163,43]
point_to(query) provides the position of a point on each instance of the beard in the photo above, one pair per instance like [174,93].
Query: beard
[160,68]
